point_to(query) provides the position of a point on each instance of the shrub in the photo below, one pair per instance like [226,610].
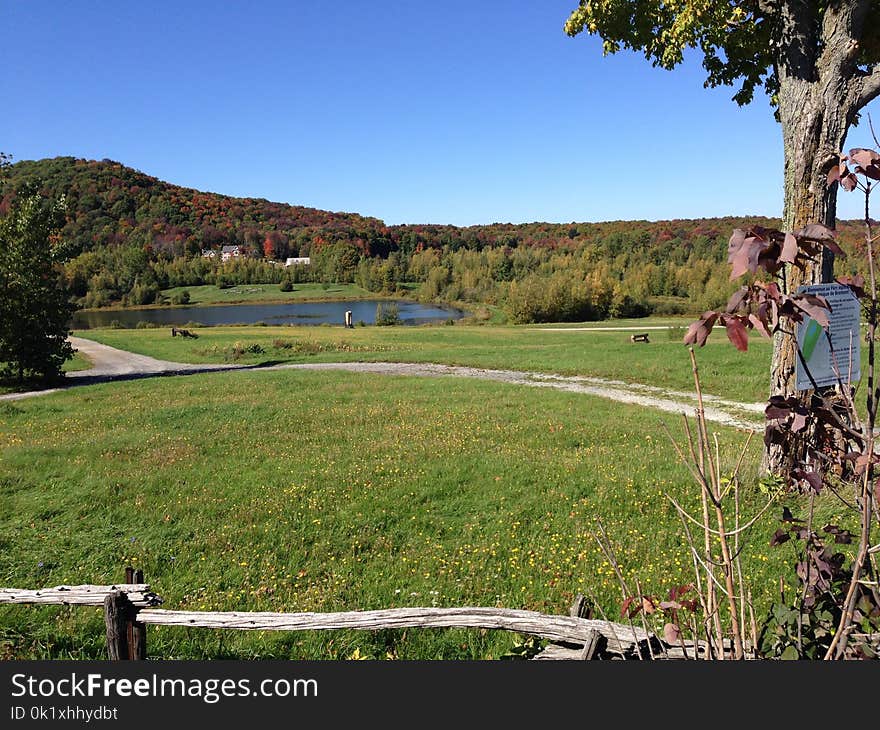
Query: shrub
[181,297]
[387,314]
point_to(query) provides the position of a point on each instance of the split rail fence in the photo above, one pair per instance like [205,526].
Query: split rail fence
[131,606]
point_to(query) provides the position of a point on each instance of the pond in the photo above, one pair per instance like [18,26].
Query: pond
[296,313]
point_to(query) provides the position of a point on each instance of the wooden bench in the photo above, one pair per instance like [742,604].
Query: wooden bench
[639,338]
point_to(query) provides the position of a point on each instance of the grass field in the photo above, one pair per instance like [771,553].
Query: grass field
[11,385]
[252,293]
[330,491]
[664,362]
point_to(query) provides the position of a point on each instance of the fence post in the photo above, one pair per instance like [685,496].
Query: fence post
[137,644]
[116,611]
[129,626]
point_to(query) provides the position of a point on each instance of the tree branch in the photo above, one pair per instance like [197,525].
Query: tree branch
[865,86]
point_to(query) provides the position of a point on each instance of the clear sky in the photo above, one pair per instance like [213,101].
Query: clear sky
[460,111]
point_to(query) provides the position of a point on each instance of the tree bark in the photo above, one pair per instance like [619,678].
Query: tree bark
[818,100]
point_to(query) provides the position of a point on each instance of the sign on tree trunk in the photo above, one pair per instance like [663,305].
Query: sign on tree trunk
[836,354]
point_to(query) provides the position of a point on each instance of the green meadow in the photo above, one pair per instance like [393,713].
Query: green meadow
[254,293]
[11,385]
[308,491]
[664,362]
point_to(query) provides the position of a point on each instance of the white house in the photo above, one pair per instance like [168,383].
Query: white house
[301,261]
[229,252]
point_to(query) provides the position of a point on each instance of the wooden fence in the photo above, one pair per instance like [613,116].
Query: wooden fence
[131,606]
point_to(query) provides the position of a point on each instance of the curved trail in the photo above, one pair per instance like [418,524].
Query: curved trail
[110,363]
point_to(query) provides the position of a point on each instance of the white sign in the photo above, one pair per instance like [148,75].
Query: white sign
[842,355]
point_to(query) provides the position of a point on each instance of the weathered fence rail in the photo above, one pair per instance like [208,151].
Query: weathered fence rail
[139,595]
[131,606]
[567,629]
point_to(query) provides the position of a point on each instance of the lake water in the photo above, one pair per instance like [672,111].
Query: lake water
[272,314]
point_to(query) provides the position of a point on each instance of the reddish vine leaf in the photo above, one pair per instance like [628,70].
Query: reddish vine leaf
[772,291]
[812,478]
[841,536]
[789,249]
[737,298]
[821,234]
[630,608]
[799,421]
[698,332]
[868,162]
[737,333]
[779,537]
[814,306]
[759,325]
[855,283]
[816,232]
[744,258]
[835,173]
[862,462]
[672,633]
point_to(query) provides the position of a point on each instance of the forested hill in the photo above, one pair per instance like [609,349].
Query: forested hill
[129,236]
[110,204]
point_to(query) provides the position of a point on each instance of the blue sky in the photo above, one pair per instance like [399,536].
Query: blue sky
[460,112]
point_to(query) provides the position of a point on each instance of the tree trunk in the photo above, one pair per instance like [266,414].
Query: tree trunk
[814,125]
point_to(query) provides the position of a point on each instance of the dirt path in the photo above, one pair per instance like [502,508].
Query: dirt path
[110,363]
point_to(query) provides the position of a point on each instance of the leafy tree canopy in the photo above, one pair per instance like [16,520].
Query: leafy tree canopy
[34,307]
[741,42]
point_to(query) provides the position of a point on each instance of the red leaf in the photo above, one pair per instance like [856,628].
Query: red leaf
[789,249]
[856,283]
[779,537]
[814,479]
[816,232]
[773,292]
[736,299]
[833,175]
[848,182]
[672,634]
[863,157]
[772,413]
[737,334]
[670,605]
[746,247]
[699,331]
[759,325]
[814,306]
[862,462]
[648,605]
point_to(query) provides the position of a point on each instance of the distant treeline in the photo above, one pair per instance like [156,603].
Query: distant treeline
[128,236]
